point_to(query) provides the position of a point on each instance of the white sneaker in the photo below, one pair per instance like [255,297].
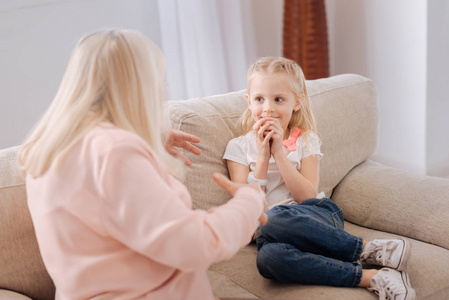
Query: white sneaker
[387,253]
[391,284]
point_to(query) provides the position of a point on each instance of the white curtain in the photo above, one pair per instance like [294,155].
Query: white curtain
[209,45]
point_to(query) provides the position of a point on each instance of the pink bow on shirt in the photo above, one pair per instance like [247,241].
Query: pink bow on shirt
[290,144]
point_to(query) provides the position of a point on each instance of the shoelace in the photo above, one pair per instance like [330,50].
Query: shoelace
[376,255]
[388,288]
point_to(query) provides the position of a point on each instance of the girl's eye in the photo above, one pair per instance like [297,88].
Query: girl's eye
[277,99]
[259,99]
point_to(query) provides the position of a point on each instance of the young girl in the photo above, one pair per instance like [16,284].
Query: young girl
[303,240]
[111,220]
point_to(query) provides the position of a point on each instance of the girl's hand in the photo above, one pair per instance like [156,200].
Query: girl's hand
[232,188]
[277,135]
[263,137]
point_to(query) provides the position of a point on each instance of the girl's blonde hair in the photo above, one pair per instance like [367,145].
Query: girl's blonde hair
[302,118]
[112,75]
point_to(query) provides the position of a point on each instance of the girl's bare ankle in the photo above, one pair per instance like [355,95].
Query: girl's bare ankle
[367,275]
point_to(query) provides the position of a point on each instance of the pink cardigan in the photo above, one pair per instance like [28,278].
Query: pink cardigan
[112,224]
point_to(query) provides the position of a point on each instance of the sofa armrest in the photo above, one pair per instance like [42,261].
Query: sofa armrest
[392,200]
[10,295]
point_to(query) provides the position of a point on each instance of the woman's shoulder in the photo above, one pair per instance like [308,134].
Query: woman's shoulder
[111,134]
[105,137]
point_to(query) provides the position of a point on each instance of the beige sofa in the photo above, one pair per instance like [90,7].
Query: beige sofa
[377,201]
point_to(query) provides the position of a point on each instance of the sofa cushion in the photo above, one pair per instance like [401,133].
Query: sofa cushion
[214,120]
[392,200]
[225,288]
[427,269]
[346,112]
[345,108]
[21,266]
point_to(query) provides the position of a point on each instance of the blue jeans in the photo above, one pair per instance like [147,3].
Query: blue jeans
[306,243]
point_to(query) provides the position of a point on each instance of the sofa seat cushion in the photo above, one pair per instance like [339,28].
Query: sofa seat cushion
[21,267]
[226,288]
[427,269]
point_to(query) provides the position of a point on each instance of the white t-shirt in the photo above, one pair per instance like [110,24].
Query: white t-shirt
[243,150]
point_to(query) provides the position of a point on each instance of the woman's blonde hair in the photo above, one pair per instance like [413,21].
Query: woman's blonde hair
[302,118]
[112,75]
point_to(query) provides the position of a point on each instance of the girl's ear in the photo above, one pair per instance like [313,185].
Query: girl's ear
[247,100]
[299,102]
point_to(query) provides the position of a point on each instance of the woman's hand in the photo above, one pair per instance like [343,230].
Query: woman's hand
[232,188]
[183,140]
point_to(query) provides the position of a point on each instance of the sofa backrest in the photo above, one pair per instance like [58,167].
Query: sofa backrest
[21,266]
[345,108]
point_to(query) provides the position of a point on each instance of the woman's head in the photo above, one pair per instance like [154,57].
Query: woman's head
[273,77]
[112,75]
[116,75]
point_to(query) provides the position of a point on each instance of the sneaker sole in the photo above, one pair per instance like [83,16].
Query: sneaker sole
[402,266]
[410,293]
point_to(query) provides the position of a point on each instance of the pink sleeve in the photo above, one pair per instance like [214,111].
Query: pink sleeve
[144,212]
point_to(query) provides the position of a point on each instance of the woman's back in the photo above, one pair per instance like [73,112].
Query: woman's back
[81,227]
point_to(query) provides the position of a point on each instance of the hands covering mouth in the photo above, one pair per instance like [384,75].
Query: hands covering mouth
[264,119]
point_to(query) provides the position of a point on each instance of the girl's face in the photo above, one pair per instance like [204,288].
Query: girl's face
[271,96]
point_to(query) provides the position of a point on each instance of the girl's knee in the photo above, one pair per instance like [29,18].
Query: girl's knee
[279,225]
[265,260]
[276,221]
[264,253]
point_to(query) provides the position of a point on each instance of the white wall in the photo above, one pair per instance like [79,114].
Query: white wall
[36,39]
[387,41]
[437,131]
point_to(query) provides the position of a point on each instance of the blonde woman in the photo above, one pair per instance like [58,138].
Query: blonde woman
[303,240]
[111,219]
